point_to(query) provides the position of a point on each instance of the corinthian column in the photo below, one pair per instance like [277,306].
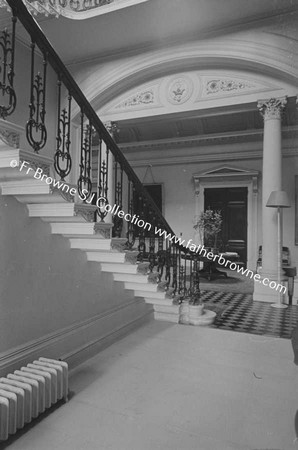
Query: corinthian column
[271,111]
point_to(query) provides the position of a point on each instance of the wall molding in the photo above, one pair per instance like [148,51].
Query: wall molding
[208,158]
[235,137]
[73,341]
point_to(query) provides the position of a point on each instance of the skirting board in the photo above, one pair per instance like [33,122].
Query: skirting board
[81,340]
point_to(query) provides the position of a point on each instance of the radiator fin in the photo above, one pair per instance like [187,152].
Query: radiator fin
[27,392]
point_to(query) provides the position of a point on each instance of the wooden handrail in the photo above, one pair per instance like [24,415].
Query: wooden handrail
[37,36]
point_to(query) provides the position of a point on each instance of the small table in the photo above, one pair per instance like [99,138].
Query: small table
[290,272]
[210,270]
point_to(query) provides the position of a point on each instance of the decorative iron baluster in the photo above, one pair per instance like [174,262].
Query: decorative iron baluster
[62,158]
[195,284]
[85,182]
[7,46]
[118,221]
[36,131]
[168,265]
[177,298]
[181,282]
[142,239]
[151,256]
[161,257]
[102,181]
[189,286]
[130,227]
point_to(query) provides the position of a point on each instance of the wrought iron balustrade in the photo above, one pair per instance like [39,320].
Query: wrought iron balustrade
[104,176]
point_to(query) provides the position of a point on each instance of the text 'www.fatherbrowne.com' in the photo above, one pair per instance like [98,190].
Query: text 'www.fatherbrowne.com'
[101,203]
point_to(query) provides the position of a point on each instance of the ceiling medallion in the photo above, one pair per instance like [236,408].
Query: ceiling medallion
[179,90]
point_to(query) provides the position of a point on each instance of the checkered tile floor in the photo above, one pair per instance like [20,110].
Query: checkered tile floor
[240,313]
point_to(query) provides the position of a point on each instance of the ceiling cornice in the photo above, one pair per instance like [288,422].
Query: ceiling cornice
[211,139]
[208,158]
[234,27]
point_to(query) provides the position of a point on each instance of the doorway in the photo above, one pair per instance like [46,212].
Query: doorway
[232,202]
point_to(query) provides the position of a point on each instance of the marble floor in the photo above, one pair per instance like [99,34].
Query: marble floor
[175,387]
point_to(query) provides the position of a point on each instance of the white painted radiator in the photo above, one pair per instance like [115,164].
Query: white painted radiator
[27,392]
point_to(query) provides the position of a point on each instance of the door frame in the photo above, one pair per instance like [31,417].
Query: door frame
[224,178]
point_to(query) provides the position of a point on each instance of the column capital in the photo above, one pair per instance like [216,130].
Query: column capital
[272,108]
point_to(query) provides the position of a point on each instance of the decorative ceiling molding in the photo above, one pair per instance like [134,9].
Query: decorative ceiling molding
[225,86]
[247,53]
[199,141]
[208,158]
[179,89]
[84,9]
[74,9]
[188,91]
[146,97]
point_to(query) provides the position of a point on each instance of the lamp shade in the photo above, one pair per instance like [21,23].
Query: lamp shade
[278,199]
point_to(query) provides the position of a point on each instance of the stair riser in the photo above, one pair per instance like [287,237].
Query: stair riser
[26,190]
[94,245]
[119,268]
[148,287]
[106,257]
[51,210]
[72,228]
[136,278]
[10,174]
[40,198]
[159,302]
[149,295]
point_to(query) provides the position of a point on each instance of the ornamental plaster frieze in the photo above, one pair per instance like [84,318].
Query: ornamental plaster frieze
[101,85]
[82,9]
[171,92]
[146,96]
[10,134]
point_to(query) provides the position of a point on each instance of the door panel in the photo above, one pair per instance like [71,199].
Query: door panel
[232,202]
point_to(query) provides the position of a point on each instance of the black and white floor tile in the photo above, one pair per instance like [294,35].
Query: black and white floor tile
[238,312]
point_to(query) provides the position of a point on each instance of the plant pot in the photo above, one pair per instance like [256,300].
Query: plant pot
[184,313]
[195,313]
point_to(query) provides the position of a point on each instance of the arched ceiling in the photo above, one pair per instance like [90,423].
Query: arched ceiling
[156,23]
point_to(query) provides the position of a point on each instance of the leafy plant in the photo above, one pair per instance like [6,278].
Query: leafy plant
[209,223]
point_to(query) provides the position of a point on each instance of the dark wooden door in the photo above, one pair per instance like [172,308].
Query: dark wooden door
[232,202]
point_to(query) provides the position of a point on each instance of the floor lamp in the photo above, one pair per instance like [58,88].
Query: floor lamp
[278,199]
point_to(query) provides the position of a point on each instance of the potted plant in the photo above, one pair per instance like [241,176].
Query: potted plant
[208,224]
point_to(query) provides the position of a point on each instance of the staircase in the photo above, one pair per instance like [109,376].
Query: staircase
[70,217]
[99,169]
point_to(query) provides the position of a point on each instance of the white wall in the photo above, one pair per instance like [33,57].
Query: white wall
[179,194]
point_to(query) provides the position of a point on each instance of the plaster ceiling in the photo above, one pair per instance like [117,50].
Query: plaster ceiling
[155,23]
[247,121]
